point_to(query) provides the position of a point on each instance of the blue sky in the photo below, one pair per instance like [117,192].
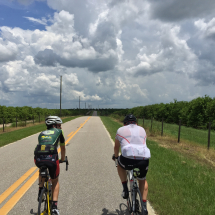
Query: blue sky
[12,14]
[115,54]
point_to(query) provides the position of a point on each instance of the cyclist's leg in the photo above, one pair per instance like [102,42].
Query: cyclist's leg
[124,164]
[39,163]
[54,170]
[143,186]
[55,189]
[122,173]
[41,181]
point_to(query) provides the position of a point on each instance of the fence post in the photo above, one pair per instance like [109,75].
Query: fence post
[179,130]
[143,121]
[162,128]
[16,121]
[151,123]
[3,124]
[209,134]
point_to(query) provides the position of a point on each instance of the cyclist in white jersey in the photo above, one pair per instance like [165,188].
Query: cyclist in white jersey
[132,140]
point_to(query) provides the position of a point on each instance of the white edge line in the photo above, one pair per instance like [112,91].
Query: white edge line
[150,208]
[107,133]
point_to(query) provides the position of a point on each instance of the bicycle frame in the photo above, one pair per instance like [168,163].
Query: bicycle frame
[46,186]
[133,188]
[47,211]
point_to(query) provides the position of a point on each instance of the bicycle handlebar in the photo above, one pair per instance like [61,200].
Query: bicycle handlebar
[65,161]
[115,159]
[116,162]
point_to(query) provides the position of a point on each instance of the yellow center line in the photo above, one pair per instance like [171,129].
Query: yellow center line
[18,195]
[70,134]
[73,134]
[7,192]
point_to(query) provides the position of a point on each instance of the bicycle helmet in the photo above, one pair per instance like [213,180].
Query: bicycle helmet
[129,119]
[52,120]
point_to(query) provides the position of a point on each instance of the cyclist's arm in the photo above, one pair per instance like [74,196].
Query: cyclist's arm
[63,152]
[116,148]
[62,146]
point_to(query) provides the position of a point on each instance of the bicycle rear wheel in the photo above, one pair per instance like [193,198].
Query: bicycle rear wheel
[129,206]
[42,206]
[139,208]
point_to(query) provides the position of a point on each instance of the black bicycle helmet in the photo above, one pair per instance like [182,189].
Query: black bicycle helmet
[129,119]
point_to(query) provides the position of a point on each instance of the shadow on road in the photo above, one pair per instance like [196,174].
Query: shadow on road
[121,211]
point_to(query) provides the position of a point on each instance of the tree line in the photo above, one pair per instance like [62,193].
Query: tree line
[196,113]
[9,114]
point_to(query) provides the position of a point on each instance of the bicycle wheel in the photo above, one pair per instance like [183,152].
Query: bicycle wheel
[129,196]
[139,208]
[42,207]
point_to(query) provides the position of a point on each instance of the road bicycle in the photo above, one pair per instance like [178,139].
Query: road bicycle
[45,199]
[134,200]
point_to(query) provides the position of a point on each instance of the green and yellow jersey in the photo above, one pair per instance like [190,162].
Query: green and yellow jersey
[48,141]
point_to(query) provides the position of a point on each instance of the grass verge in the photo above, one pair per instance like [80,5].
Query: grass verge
[177,183]
[12,136]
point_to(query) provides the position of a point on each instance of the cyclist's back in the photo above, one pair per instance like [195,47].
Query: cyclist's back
[132,139]
[48,141]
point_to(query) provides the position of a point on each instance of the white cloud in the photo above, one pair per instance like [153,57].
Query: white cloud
[207,28]
[38,21]
[111,52]
[8,50]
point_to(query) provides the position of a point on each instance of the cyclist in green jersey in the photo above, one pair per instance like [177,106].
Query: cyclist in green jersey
[46,154]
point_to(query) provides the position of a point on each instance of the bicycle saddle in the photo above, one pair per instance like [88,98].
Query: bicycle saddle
[43,171]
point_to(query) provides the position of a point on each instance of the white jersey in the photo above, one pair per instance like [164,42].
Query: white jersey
[132,139]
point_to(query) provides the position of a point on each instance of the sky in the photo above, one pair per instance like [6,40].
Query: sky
[111,54]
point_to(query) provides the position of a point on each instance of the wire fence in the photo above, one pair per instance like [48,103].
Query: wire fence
[204,137]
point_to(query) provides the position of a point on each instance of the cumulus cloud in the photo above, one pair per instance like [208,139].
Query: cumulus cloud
[113,53]
[8,50]
[207,28]
[175,10]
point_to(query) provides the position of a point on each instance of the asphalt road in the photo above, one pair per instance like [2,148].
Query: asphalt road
[90,186]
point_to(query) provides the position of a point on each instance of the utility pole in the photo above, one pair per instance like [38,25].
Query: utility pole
[79,102]
[60,92]
[85,105]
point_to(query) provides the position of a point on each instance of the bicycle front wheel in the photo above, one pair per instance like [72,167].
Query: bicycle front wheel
[42,207]
[139,208]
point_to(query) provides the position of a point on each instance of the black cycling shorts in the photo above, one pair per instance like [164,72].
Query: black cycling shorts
[129,164]
[52,163]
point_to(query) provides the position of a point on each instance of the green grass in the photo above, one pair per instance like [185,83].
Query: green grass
[13,136]
[177,184]
[191,134]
